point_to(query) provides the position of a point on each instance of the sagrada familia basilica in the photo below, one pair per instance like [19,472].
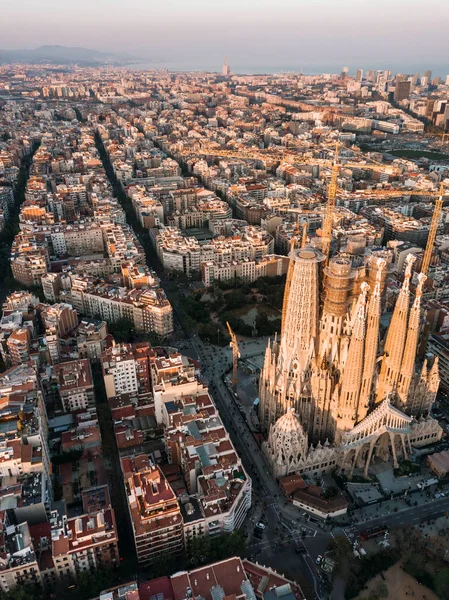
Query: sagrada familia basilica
[332,393]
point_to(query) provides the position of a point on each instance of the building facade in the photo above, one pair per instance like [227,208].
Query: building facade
[352,398]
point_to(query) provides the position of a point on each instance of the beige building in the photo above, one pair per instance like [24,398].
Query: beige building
[327,369]
[84,543]
[75,385]
[155,514]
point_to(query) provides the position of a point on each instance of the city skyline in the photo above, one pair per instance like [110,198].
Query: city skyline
[224,336]
[256,37]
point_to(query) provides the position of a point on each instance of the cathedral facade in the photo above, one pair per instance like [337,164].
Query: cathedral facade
[331,393]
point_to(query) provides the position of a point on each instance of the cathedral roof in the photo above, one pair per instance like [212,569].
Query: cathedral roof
[289,426]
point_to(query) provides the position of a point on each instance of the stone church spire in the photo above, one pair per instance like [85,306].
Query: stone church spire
[395,342]
[411,344]
[372,339]
[352,372]
[300,327]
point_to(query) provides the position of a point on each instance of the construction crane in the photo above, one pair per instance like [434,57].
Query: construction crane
[235,355]
[442,135]
[362,196]
[328,221]
[304,234]
[433,231]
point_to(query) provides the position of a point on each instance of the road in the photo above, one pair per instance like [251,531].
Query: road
[285,526]
[280,517]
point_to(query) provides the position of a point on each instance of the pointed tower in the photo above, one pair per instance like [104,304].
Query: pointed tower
[338,284]
[300,327]
[433,383]
[372,339]
[347,412]
[394,345]
[411,344]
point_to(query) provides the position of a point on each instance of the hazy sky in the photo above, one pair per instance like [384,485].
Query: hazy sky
[408,34]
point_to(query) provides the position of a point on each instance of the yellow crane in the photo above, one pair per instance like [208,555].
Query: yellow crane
[235,355]
[326,233]
[442,135]
[433,231]
[304,234]
[275,154]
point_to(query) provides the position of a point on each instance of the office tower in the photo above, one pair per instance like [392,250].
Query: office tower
[428,74]
[226,69]
[402,90]
[359,75]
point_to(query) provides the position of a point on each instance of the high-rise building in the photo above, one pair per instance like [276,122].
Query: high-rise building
[359,75]
[402,90]
[226,69]
[344,73]
[321,381]
[428,74]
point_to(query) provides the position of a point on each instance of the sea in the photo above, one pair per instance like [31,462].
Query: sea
[248,69]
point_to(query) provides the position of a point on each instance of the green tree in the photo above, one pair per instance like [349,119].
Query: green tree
[235,299]
[441,582]
[123,330]
[23,592]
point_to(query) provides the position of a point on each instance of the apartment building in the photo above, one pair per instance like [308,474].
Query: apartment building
[155,514]
[91,337]
[75,384]
[148,309]
[51,286]
[185,254]
[198,442]
[60,317]
[175,251]
[18,560]
[138,276]
[24,454]
[19,345]
[122,245]
[29,268]
[83,543]
[82,239]
[270,265]
[232,577]
[126,368]
[43,549]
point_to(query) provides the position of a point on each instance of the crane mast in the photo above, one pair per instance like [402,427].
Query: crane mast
[330,207]
[433,231]
[304,234]
[235,355]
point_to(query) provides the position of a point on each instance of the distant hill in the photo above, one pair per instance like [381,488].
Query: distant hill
[65,55]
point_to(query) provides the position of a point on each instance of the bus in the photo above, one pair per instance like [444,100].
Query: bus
[373,532]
